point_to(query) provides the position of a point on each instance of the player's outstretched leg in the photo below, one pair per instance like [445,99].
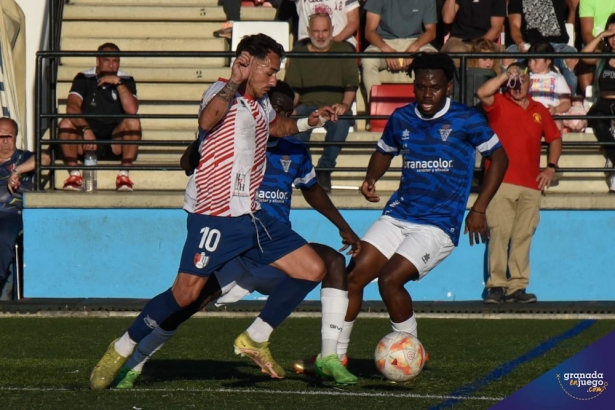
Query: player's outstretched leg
[254,342]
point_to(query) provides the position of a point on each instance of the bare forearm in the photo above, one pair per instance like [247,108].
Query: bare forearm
[449,12]
[218,106]
[27,166]
[487,91]
[554,151]
[129,103]
[493,179]
[379,163]
[283,127]
[318,199]
[428,36]
[375,40]
[349,96]
[351,26]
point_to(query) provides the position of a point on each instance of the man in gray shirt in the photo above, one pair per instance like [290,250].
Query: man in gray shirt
[396,26]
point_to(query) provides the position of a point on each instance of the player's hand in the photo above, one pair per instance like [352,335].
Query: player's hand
[240,71]
[108,80]
[319,117]
[476,226]
[392,63]
[544,178]
[368,189]
[349,238]
[88,135]
[14,182]
[340,108]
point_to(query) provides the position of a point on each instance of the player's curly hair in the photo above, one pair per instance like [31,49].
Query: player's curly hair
[259,45]
[283,89]
[433,61]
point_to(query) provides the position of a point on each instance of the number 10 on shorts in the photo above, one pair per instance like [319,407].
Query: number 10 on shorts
[210,238]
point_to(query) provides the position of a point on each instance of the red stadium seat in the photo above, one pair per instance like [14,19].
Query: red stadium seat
[385,98]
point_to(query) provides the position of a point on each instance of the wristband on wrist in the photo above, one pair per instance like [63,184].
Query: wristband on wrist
[119,83]
[478,212]
[552,165]
[84,129]
[303,125]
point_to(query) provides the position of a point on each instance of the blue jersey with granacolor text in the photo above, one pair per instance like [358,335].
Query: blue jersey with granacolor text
[438,163]
[288,163]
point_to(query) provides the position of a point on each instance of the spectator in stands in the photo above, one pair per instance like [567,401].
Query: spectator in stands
[482,45]
[513,214]
[324,81]
[604,86]
[232,10]
[16,176]
[548,87]
[593,15]
[344,17]
[478,71]
[396,26]
[101,90]
[472,20]
[533,21]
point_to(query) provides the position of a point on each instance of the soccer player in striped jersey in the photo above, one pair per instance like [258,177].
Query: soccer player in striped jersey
[421,222]
[224,218]
[288,164]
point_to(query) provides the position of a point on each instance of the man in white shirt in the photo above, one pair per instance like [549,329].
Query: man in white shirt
[344,16]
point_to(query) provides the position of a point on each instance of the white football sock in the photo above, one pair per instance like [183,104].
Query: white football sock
[409,326]
[344,340]
[148,346]
[334,305]
[125,345]
[259,330]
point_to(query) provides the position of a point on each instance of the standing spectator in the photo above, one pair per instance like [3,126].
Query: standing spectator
[533,21]
[103,89]
[593,15]
[324,81]
[396,26]
[471,20]
[344,18]
[513,214]
[548,87]
[16,176]
[605,89]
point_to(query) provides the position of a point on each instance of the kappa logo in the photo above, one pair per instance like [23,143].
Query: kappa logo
[445,131]
[285,161]
[201,260]
[405,135]
[426,258]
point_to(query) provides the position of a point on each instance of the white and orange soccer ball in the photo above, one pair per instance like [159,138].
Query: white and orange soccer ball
[400,356]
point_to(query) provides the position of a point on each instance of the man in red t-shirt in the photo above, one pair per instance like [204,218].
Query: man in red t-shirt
[513,213]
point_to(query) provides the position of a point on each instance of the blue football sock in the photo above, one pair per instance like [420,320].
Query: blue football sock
[154,312]
[284,299]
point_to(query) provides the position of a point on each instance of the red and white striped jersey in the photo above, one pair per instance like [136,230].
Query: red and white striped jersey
[233,158]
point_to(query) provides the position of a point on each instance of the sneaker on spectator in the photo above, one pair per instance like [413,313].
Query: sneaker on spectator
[494,296]
[520,296]
[123,183]
[226,31]
[73,183]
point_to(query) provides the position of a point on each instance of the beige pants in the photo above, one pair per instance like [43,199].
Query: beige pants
[373,66]
[512,216]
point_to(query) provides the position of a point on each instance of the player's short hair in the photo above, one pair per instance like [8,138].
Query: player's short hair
[108,47]
[13,123]
[433,61]
[259,45]
[283,92]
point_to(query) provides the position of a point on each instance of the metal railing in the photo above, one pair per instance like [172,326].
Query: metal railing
[54,56]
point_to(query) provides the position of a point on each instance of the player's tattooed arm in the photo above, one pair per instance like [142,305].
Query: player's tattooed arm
[284,126]
[218,106]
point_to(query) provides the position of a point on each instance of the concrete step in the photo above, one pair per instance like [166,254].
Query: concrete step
[197,62]
[145,2]
[154,92]
[147,44]
[161,13]
[108,30]
[143,180]
[183,109]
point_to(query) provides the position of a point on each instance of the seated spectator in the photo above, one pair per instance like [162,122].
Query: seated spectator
[472,20]
[16,176]
[604,85]
[478,71]
[232,10]
[345,18]
[101,90]
[324,81]
[593,15]
[536,21]
[396,26]
[483,45]
[547,86]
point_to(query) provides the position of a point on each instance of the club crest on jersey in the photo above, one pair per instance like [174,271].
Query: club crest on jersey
[285,161]
[445,131]
[201,260]
[240,185]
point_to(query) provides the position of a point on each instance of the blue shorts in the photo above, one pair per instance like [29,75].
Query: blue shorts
[213,240]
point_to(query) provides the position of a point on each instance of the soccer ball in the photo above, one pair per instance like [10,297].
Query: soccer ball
[400,356]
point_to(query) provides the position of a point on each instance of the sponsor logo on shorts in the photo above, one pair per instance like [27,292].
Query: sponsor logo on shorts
[201,260]
[437,165]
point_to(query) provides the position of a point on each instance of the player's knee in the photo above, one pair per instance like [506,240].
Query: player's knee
[132,124]
[388,283]
[316,271]
[65,126]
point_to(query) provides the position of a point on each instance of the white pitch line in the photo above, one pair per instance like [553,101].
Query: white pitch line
[257,391]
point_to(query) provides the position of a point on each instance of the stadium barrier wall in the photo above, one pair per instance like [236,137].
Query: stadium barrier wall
[134,253]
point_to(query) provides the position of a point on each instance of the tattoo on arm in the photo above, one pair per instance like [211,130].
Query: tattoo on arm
[228,91]
[284,127]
